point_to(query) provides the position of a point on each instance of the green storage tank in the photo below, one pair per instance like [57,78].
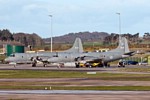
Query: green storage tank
[14,49]
[9,49]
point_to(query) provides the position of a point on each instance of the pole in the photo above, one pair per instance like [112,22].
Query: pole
[119,23]
[51,34]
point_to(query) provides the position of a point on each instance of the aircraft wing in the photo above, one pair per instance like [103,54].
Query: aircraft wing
[128,54]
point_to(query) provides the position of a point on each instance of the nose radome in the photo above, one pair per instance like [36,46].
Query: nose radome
[6,60]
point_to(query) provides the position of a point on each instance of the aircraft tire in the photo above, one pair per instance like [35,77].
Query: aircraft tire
[77,66]
[108,65]
[33,65]
[90,66]
[100,65]
[44,65]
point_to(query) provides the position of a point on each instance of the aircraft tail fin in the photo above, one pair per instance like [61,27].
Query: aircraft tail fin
[123,45]
[77,46]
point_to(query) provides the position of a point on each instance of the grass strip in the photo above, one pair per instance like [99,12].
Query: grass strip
[135,69]
[101,88]
[13,74]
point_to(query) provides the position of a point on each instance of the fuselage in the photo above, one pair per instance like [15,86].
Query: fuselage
[26,57]
[70,57]
[56,57]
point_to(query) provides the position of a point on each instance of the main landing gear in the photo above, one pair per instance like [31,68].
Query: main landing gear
[36,61]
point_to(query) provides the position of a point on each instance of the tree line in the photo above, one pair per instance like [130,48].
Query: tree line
[24,38]
[104,37]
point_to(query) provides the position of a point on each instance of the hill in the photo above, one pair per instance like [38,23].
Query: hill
[135,40]
[16,38]
[28,39]
[85,37]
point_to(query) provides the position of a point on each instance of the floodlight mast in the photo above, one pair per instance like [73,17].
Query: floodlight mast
[119,23]
[51,16]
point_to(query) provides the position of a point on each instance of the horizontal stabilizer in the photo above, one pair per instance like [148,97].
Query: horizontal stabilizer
[130,53]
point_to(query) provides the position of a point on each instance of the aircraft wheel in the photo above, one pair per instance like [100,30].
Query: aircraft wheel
[44,65]
[100,65]
[77,66]
[61,65]
[90,66]
[108,65]
[33,65]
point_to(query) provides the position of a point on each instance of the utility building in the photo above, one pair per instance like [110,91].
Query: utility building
[14,49]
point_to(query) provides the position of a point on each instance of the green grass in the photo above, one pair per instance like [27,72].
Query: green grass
[93,44]
[63,74]
[13,74]
[136,69]
[114,88]
[38,74]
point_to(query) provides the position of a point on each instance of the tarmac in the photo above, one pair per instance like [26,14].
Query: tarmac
[74,94]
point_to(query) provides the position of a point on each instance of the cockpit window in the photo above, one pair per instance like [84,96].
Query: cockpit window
[55,55]
[12,55]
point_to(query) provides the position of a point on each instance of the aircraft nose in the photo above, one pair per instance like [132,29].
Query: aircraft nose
[6,59]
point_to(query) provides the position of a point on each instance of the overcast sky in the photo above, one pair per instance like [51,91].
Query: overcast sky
[31,16]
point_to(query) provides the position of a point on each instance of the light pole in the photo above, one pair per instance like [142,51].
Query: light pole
[51,33]
[119,23]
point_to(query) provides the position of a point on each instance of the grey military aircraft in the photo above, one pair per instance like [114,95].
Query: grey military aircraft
[103,58]
[43,57]
[76,55]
